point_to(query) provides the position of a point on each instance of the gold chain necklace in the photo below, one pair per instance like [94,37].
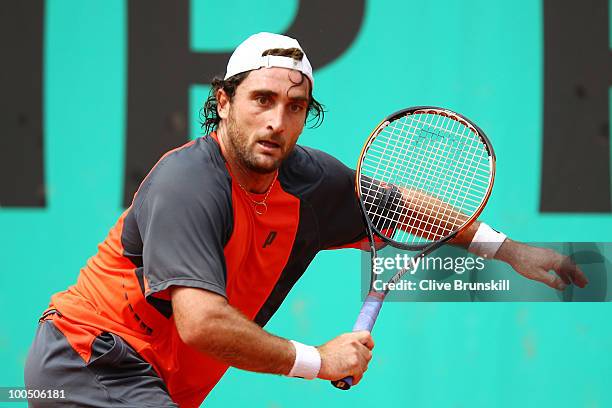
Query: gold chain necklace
[260,207]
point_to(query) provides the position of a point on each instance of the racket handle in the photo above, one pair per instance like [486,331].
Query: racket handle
[365,321]
[368,313]
[343,384]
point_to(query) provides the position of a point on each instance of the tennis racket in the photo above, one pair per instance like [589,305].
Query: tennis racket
[423,176]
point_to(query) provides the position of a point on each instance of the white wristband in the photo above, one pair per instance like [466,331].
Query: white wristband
[307,361]
[486,241]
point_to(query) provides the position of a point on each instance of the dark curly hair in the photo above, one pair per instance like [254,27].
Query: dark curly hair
[209,115]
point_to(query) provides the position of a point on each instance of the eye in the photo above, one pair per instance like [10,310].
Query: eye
[262,100]
[296,107]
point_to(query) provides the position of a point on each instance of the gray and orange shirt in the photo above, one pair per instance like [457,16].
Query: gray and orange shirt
[191,225]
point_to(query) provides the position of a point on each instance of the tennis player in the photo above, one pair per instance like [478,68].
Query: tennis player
[217,235]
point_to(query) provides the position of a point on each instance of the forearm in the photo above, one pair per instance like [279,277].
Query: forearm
[436,219]
[232,338]
[483,241]
[206,322]
[510,251]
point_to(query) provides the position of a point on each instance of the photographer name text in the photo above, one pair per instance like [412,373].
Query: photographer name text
[430,285]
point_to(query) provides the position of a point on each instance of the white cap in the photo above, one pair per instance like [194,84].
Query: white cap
[247,56]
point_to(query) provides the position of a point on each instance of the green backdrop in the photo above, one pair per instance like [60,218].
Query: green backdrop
[478,57]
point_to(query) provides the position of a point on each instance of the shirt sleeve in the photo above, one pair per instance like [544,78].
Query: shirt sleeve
[337,206]
[184,221]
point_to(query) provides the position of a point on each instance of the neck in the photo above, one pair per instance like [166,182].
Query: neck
[251,181]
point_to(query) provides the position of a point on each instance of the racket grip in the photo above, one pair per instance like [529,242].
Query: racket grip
[368,314]
[365,321]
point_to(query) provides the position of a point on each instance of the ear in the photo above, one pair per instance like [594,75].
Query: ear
[223,102]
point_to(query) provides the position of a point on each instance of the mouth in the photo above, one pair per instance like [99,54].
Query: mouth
[268,145]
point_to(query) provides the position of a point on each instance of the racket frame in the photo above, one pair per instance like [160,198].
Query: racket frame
[412,111]
[374,300]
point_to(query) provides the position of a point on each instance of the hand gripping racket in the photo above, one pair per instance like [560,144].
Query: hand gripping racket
[424,175]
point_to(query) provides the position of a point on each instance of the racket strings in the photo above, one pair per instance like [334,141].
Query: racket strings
[431,231]
[398,214]
[438,163]
[393,214]
[432,172]
[435,229]
[420,157]
[445,186]
[442,221]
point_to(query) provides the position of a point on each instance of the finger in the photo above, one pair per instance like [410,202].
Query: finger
[550,280]
[357,376]
[562,273]
[365,354]
[578,277]
[365,351]
[574,272]
[369,356]
[366,339]
[561,266]
[363,359]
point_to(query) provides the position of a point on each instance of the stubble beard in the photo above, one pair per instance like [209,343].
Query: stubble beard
[243,152]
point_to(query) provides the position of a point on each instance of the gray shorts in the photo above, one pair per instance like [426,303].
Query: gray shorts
[116,376]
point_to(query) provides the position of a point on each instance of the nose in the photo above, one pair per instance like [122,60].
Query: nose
[277,119]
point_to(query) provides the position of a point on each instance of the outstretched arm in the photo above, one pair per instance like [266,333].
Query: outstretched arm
[535,263]
[529,261]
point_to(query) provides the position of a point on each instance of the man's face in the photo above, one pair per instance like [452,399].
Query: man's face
[265,118]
